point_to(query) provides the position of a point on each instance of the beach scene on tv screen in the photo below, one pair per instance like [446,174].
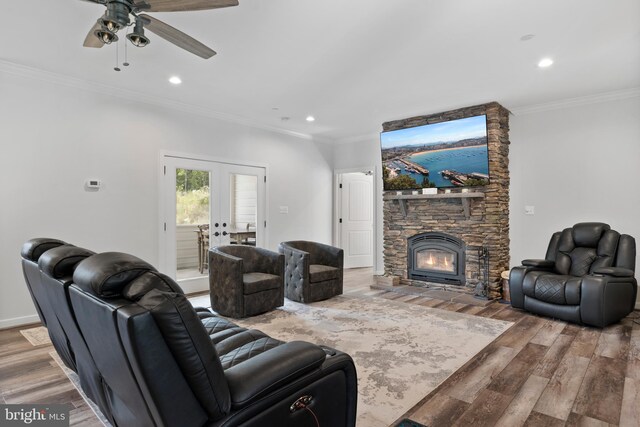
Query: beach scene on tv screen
[447,154]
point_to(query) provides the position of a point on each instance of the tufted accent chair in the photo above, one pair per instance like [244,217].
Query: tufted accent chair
[587,276]
[313,271]
[245,280]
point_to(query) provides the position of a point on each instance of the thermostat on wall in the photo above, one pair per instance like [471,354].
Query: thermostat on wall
[94,184]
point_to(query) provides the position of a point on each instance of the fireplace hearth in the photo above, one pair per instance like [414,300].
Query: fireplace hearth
[436,257]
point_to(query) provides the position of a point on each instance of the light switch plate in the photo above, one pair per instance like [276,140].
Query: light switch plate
[529,210]
[284,209]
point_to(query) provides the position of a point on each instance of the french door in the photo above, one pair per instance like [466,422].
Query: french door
[208,204]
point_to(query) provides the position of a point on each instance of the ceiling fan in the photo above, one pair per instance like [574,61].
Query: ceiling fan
[124,13]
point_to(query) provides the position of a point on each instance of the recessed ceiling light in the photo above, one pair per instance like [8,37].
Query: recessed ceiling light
[285,118]
[175,80]
[527,37]
[311,119]
[545,62]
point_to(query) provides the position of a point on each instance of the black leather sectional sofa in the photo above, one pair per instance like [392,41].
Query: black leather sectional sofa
[146,357]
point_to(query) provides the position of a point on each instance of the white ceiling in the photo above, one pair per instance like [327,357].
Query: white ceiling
[351,63]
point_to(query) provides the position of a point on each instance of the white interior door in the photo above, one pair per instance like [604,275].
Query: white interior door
[207,204]
[356,219]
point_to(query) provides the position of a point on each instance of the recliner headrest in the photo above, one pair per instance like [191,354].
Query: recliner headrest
[106,274]
[61,261]
[34,248]
[588,234]
[148,281]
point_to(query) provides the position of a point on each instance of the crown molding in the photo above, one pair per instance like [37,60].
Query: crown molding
[577,101]
[131,95]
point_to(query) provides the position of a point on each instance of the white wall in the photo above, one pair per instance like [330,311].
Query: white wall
[53,137]
[574,164]
[363,156]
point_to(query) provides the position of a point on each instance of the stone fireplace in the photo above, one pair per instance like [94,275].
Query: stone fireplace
[444,240]
[436,257]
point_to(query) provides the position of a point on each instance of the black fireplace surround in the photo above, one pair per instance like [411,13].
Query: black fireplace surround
[436,257]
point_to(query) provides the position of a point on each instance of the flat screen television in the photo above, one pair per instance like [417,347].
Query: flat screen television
[446,154]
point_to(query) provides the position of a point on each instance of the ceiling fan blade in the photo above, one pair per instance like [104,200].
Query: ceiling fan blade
[176,37]
[181,5]
[92,40]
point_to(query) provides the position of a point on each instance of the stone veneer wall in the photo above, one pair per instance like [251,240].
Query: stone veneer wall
[488,223]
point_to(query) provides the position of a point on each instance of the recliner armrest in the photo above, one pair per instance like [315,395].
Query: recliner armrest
[614,271]
[538,263]
[271,370]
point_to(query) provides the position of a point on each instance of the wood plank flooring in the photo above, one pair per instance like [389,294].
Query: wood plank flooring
[540,372]
[29,374]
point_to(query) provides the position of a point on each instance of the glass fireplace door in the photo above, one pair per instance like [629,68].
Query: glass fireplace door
[435,259]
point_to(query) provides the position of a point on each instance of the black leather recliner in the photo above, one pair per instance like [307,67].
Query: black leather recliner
[31,253]
[587,277]
[57,266]
[148,358]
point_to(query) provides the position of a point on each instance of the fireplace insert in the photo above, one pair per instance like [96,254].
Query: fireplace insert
[436,257]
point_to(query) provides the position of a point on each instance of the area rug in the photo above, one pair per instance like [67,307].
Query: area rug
[401,351]
[36,336]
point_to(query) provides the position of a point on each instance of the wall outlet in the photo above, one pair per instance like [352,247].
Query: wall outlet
[529,210]
[284,209]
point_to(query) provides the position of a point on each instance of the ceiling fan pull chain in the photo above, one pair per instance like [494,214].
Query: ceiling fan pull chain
[116,68]
[126,50]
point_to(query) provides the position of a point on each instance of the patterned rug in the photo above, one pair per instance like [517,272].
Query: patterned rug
[36,336]
[401,351]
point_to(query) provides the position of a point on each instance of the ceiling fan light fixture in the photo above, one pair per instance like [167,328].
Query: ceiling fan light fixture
[106,36]
[110,25]
[117,16]
[137,37]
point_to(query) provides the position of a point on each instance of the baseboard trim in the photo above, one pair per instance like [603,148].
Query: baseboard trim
[18,321]
[637,305]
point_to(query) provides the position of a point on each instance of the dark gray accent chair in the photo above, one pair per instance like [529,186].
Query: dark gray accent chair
[245,280]
[587,277]
[313,271]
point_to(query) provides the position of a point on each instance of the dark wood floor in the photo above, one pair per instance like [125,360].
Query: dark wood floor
[29,374]
[540,372]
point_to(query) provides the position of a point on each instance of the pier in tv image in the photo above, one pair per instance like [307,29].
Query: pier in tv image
[446,154]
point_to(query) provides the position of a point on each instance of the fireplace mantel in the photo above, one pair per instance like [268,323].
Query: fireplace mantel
[463,197]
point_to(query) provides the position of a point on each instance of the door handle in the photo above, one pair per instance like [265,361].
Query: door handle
[216,225]
[216,234]
[224,224]
[224,233]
